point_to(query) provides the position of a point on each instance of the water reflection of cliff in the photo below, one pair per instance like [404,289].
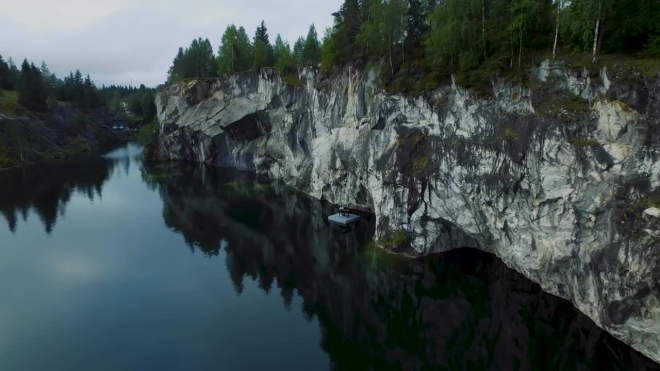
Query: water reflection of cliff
[463,310]
[47,189]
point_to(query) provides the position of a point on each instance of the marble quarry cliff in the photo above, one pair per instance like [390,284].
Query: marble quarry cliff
[557,174]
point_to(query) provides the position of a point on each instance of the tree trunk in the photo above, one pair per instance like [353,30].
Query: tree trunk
[554,48]
[600,4]
[483,27]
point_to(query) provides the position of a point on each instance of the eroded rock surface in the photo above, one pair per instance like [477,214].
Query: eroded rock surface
[558,176]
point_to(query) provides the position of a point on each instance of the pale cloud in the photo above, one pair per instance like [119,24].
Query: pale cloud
[119,41]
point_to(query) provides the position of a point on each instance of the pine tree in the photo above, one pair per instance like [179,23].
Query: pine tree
[347,26]
[14,75]
[78,88]
[312,50]
[261,52]
[284,59]
[31,93]
[176,70]
[299,51]
[4,75]
[416,26]
[261,34]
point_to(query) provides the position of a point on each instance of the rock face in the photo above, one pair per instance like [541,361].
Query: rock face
[558,176]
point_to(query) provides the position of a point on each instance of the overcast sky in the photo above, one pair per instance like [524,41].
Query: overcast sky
[119,40]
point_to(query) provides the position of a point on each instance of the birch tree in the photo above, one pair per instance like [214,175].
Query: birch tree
[385,29]
[554,47]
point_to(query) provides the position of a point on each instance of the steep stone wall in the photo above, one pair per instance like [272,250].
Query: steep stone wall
[558,176]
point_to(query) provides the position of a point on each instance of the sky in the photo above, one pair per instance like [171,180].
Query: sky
[119,41]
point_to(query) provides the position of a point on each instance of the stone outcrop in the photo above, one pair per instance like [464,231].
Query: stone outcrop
[557,175]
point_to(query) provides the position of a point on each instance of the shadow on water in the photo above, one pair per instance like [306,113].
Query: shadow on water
[462,310]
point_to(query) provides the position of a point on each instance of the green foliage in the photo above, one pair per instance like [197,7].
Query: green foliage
[508,136]
[9,103]
[31,93]
[5,160]
[285,61]
[470,39]
[585,142]
[312,51]
[76,146]
[421,164]
[392,240]
[196,61]
[343,47]
[235,53]
[261,55]
[329,56]
[576,104]
[384,30]
[652,48]
[75,89]
[149,133]
[8,76]
[141,104]
[264,56]
[299,51]
[292,79]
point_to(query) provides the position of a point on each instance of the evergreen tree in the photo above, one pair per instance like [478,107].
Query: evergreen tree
[4,75]
[416,27]
[261,35]
[196,61]
[91,95]
[31,93]
[176,70]
[329,55]
[299,51]
[347,26]
[50,79]
[285,62]
[14,75]
[312,50]
[261,55]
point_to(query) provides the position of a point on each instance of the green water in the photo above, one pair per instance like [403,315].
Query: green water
[111,264]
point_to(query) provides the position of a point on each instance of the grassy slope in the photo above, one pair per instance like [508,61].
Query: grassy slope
[9,103]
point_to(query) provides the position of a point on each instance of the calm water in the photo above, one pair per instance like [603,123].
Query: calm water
[108,264]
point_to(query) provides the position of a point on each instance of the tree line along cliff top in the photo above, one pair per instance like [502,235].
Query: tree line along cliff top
[422,42]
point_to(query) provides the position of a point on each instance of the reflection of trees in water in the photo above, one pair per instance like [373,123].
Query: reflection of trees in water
[463,310]
[47,189]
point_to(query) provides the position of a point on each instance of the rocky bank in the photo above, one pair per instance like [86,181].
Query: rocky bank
[558,175]
[63,132]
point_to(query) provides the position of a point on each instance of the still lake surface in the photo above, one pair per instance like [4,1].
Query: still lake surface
[112,264]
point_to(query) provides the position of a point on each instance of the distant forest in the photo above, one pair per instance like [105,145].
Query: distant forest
[470,38]
[39,89]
